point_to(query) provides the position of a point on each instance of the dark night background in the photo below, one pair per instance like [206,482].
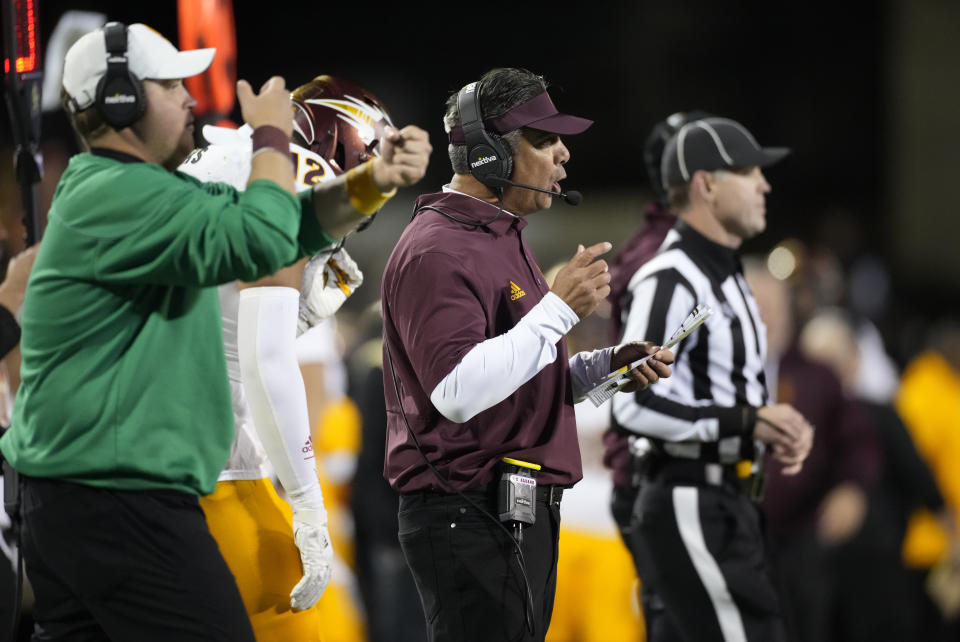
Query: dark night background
[860,91]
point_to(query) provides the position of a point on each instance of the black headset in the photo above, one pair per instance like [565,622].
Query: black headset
[488,156]
[120,98]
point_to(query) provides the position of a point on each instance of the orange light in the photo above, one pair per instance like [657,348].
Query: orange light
[210,23]
[26,35]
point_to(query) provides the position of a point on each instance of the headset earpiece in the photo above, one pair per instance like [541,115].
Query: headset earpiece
[487,153]
[506,170]
[120,96]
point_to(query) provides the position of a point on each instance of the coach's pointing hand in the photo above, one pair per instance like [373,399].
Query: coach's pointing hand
[584,282]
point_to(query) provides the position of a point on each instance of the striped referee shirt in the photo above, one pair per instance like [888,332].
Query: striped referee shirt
[707,409]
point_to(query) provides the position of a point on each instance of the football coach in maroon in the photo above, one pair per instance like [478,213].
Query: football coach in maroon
[476,368]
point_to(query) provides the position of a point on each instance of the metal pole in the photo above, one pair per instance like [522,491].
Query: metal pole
[22,89]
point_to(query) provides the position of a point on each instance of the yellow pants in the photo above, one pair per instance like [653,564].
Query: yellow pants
[596,591]
[253,528]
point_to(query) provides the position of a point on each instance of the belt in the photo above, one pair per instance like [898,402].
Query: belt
[679,471]
[549,494]
[545,494]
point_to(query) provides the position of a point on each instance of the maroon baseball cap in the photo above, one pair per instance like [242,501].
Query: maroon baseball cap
[537,113]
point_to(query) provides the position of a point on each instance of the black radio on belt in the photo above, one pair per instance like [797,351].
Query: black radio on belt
[517,493]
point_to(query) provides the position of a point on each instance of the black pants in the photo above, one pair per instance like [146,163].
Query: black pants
[126,565]
[703,565]
[467,572]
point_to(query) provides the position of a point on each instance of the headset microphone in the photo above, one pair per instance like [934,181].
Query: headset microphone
[573,197]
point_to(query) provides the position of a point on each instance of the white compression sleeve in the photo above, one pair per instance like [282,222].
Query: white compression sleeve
[493,369]
[266,329]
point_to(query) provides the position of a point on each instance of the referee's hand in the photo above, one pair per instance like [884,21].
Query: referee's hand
[584,281]
[789,434]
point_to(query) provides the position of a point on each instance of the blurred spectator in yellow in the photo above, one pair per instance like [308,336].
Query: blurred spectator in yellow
[929,402]
[597,585]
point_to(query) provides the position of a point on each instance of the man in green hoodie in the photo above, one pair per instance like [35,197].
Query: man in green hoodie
[124,416]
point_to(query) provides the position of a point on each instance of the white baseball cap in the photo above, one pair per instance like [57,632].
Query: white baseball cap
[149,56]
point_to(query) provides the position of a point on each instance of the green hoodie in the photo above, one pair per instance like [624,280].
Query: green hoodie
[124,382]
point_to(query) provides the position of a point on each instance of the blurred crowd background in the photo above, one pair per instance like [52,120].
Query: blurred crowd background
[858,271]
[862,91]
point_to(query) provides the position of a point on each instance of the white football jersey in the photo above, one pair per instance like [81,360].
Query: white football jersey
[227,160]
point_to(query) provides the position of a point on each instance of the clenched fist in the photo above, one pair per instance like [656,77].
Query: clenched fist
[404,155]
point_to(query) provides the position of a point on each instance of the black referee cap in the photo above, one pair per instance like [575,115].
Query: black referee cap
[710,144]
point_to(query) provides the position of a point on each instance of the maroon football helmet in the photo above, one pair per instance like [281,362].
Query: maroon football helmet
[338,120]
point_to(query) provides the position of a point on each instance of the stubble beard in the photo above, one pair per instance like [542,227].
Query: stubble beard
[180,153]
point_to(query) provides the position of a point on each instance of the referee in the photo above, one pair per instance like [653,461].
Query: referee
[697,534]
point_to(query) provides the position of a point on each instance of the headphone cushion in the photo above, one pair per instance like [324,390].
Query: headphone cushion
[505,152]
[120,99]
[489,157]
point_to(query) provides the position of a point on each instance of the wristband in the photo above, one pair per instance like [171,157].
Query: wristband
[267,138]
[363,192]
[749,419]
